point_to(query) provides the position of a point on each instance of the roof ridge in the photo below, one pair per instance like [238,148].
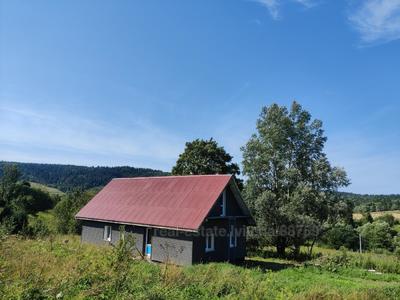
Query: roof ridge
[174,176]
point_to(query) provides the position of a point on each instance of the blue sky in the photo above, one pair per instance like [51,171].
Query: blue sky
[128,82]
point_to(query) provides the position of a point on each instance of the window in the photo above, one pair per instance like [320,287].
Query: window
[232,237]
[223,204]
[209,241]
[107,233]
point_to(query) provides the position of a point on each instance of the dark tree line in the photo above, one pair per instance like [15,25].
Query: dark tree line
[70,177]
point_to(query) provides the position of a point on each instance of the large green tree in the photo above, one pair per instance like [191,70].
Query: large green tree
[68,207]
[291,186]
[202,157]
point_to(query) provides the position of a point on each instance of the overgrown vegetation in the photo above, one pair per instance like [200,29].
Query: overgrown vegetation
[65,269]
[18,199]
[68,207]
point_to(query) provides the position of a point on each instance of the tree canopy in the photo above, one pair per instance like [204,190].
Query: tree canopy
[69,177]
[202,157]
[291,186]
[18,199]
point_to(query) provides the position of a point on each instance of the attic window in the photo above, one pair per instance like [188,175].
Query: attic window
[107,233]
[223,204]
[209,241]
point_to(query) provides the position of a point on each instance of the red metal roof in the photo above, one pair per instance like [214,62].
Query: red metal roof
[180,202]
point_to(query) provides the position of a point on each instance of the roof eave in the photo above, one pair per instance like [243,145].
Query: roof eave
[242,204]
[136,224]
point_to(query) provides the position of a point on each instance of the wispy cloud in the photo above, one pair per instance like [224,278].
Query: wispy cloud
[273,6]
[26,131]
[377,21]
[307,3]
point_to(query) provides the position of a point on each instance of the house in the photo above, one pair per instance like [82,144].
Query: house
[179,219]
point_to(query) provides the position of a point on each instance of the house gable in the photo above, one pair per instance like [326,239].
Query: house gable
[234,205]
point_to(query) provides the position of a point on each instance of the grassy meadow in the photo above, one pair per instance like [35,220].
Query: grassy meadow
[51,190]
[376,214]
[62,268]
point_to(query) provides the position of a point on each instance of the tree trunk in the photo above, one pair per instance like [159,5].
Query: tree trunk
[310,249]
[296,251]
[280,249]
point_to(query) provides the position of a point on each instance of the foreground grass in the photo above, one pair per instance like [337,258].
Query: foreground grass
[63,268]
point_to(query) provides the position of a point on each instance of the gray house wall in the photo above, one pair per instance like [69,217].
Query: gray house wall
[167,245]
[93,232]
[172,246]
[222,250]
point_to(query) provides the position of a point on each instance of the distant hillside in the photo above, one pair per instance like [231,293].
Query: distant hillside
[68,177]
[373,202]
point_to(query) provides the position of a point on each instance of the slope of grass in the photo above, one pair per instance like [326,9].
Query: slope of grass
[63,268]
[51,190]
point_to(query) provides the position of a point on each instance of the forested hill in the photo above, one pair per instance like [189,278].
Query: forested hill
[68,177]
[373,202]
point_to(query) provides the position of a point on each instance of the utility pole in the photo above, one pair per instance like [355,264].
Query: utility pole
[360,242]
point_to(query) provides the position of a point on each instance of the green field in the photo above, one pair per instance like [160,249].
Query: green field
[63,268]
[52,191]
[375,214]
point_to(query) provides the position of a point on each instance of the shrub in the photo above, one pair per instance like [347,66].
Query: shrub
[66,209]
[38,228]
[366,218]
[388,218]
[376,235]
[341,235]
[333,262]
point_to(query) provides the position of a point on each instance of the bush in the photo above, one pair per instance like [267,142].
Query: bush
[6,227]
[38,228]
[333,262]
[376,235]
[388,218]
[366,218]
[341,235]
[67,208]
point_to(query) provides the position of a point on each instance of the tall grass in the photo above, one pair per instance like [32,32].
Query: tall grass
[65,269]
[386,263]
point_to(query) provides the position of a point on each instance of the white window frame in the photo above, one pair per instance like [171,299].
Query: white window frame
[107,233]
[223,204]
[232,237]
[210,245]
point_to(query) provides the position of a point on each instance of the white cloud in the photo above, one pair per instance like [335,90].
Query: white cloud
[307,3]
[274,5]
[28,133]
[377,21]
